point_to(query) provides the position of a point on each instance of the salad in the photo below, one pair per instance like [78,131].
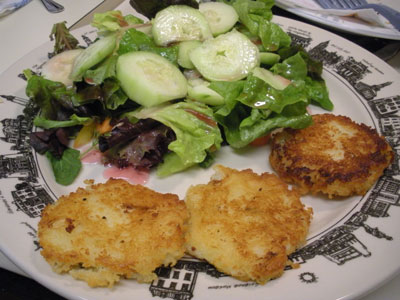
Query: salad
[167,93]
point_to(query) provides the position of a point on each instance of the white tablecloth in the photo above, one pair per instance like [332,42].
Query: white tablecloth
[30,26]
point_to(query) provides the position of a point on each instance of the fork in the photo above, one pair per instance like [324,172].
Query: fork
[389,13]
[52,6]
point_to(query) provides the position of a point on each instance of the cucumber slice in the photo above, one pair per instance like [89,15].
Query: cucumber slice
[191,74]
[228,57]
[178,23]
[269,58]
[92,55]
[149,79]
[276,81]
[59,67]
[220,16]
[198,90]
[183,54]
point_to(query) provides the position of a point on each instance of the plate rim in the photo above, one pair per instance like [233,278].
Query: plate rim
[33,273]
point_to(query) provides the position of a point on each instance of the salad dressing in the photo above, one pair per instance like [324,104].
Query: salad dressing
[130,174]
[92,157]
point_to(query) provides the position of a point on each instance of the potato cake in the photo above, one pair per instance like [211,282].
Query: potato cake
[113,230]
[334,156]
[245,224]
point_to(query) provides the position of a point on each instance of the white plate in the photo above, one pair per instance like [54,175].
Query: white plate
[345,24]
[352,246]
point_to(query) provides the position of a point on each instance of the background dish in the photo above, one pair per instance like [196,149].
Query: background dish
[347,240]
[342,24]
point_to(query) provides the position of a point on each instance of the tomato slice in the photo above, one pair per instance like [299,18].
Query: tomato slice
[261,141]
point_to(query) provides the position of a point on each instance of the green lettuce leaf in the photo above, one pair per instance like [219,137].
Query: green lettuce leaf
[230,90]
[253,109]
[314,67]
[244,124]
[134,40]
[113,95]
[64,40]
[300,67]
[272,35]
[196,131]
[48,124]
[258,94]
[109,94]
[256,17]
[104,70]
[67,168]
[318,93]
[57,102]
[251,12]
[44,94]
[113,21]
[293,67]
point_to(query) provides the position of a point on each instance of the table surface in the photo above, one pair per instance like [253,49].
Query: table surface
[11,277]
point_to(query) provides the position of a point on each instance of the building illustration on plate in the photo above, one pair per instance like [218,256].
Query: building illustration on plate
[20,165]
[388,106]
[31,198]
[339,246]
[329,58]
[178,282]
[385,194]
[28,195]
[16,132]
[299,40]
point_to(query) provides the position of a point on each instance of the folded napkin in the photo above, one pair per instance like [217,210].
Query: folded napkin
[8,6]
[367,15]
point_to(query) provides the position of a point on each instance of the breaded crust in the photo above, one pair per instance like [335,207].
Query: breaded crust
[334,156]
[245,224]
[113,230]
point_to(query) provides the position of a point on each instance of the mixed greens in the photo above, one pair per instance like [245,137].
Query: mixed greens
[169,92]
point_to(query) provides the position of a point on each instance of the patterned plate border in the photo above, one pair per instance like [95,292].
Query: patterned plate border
[339,244]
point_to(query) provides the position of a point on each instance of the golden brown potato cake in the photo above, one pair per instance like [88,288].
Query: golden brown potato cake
[334,156]
[245,224]
[113,230]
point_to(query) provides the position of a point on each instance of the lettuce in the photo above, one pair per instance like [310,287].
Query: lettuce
[256,17]
[251,13]
[318,93]
[141,144]
[67,168]
[134,40]
[106,69]
[253,109]
[113,20]
[40,91]
[294,67]
[260,95]
[48,124]
[197,133]
[57,102]
[64,40]
[300,67]
[257,124]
